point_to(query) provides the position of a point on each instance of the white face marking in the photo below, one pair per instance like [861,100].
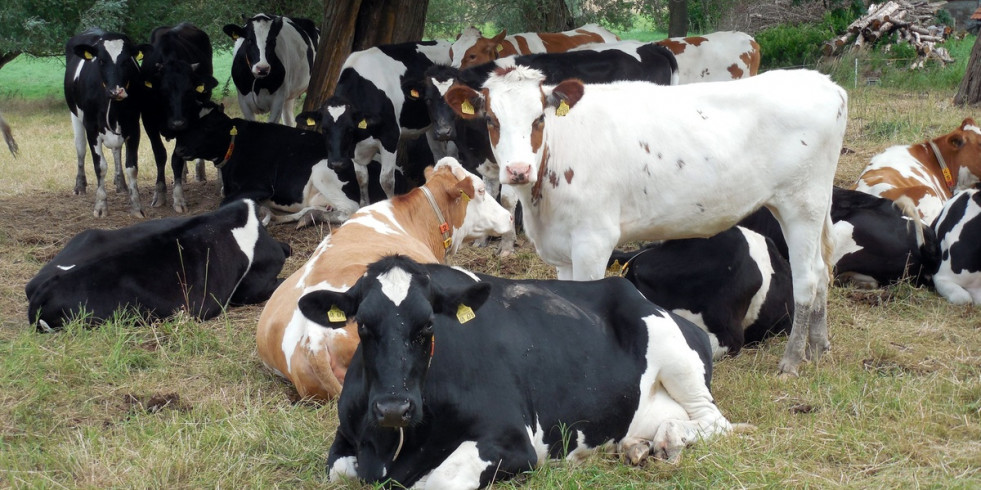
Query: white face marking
[443,86]
[115,48]
[261,29]
[466,41]
[395,284]
[516,100]
[66,267]
[248,235]
[970,127]
[336,111]
[461,469]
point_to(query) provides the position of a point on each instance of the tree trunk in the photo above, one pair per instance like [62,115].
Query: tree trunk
[8,57]
[677,18]
[354,25]
[969,91]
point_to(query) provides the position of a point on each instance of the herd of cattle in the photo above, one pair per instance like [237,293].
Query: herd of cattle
[600,141]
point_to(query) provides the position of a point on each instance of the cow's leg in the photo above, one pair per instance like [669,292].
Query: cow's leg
[199,171]
[342,460]
[591,247]
[276,114]
[101,167]
[132,156]
[287,113]
[475,464]
[951,290]
[160,159]
[509,199]
[118,179]
[387,176]
[80,143]
[810,245]
[178,165]
[243,103]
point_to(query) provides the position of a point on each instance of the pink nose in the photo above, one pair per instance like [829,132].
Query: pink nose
[517,173]
[118,93]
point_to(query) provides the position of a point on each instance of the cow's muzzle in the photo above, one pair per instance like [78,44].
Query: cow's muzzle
[393,413]
[445,133]
[261,71]
[338,164]
[177,124]
[517,174]
[118,93]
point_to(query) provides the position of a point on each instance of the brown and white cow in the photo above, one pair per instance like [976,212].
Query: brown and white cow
[715,57]
[927,173]
[425,224]
[471,48]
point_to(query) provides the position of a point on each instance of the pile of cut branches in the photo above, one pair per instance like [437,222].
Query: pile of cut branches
[897,21]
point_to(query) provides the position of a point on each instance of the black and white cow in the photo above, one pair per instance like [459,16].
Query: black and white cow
[876,240]
[369,111]
[735,285]
[280,167]
[178,76]
[200,264]
[958,229]
[102,89]
[619,61]
[463,378]
[271,64]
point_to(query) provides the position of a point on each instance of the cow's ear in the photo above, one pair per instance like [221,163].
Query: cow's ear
[413,89]
[955,141]
[211,83]
[461,302]
[143,50]
[462,190]
[366,123]
[330,309]
[234,31]
[84,51]
[308,119]
[465,101]
[499,38]
[968,121]
[565,96]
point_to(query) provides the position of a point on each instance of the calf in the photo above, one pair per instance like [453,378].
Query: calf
[734,285]
[178,78]
[102,84]
[201,265]
[715,57]
[958,229]
[471,48]
[927,173]
[488,400]
[8,136]
[271,64]
[876,240]
[369,112]
[283,168]
[426,224]
[659,180]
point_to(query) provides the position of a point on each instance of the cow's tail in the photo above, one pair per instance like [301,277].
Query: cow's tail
[908,207]
[828,246]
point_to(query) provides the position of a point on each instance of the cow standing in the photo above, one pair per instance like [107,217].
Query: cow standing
[927,173]
[471,48]
[102,89]
[271,64]
[463,378]
[583,191]
[178,76]
[200,264]
[369,112]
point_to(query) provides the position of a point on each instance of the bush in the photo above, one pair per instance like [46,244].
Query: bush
[786,46]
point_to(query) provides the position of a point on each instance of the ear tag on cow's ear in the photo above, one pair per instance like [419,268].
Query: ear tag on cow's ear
[199,89]
[464,313]
[311,122]
[335,315]
[148,84]
[615,267]
[562,109]
[234,131]
[500,47]
[139,56]
[414,94]
[363,124]
[465,197]
[88,55]
[466,107]
[234,37]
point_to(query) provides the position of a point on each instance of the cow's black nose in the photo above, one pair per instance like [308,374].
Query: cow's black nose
[444,134]
[178,124]
[393,413]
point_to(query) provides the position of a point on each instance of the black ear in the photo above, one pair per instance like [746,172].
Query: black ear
[84,51]
[413,89]
[331,309]
[308,119]
[234,31]
[459,301]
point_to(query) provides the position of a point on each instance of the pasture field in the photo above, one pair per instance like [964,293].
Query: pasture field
[187,404]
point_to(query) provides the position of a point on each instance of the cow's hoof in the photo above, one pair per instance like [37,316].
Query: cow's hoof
[637,453]
[100,212]
[79,190]
[180,207]
[137,213]
[157,201]
[506,252]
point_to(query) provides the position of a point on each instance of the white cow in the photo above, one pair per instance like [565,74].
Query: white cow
[714,57]
[598,165]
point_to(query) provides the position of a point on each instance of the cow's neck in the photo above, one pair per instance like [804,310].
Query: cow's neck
[435,223]
[930,155]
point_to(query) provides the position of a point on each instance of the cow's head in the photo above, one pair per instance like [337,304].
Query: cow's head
[517,107]
[400,313]
[207,136]
[181,87]
[258,40]
[484,215]
[471,48]
[436,82]
[343,126]
[961,150]
[118,61]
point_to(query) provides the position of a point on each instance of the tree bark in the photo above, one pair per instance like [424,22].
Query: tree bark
[354,25]
[969,91]
[677,18]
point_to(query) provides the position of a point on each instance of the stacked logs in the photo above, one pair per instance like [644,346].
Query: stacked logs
[910,21]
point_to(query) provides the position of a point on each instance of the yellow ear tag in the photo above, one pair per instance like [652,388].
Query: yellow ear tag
[500,47]
[148,84]
[363,124]
[234,131]
[139,56]
[199,89]
[311,122]
[562,109]
[414,94]
[464,313]
[947,177]
[615,267]
[335,315]
[465,197]
[234,37]
[466,107]
[88,55]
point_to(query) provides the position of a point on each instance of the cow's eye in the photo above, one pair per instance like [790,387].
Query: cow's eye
[540,122]
[492,123]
